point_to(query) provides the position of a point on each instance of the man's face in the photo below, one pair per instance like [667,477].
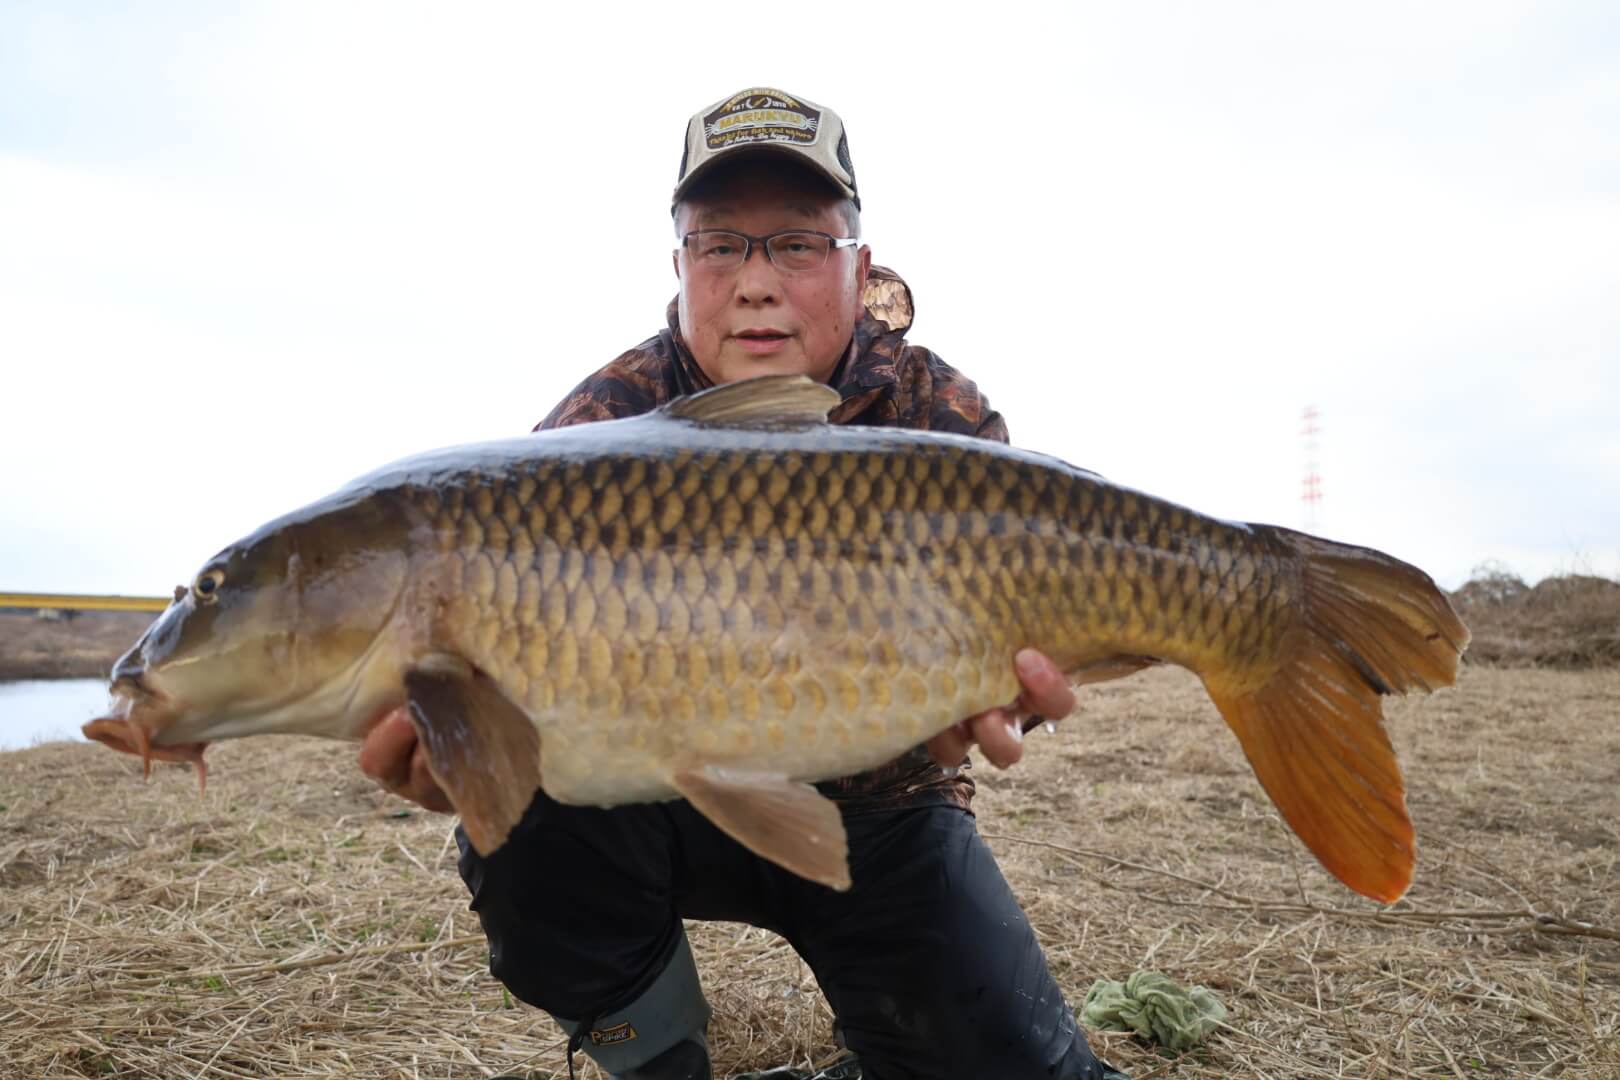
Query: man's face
[755,319]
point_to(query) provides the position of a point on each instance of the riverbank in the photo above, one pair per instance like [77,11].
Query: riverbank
[66,644]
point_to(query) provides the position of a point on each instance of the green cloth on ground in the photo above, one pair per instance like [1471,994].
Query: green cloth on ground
[1156,1007]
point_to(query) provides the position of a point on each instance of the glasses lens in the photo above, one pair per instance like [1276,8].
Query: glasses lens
[716,250]
[799,250]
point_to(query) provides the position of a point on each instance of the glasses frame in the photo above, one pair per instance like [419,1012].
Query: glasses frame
[764,243]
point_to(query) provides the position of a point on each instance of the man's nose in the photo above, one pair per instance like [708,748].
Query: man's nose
[758,280]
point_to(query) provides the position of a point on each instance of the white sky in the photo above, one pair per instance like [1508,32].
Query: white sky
[248,254]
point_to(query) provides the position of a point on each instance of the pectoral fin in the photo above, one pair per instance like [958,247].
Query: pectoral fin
[791,824]
[482,750]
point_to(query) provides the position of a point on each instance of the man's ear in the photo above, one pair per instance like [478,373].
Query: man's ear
[863,268]
[675,262]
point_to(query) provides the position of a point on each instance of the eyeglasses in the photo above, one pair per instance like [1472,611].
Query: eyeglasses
[792,250]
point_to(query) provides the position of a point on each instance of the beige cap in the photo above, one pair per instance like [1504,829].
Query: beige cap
[766,120]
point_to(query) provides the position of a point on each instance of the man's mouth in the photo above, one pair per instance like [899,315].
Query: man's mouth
[761,340]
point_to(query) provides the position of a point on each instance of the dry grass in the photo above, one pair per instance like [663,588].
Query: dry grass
[295,922]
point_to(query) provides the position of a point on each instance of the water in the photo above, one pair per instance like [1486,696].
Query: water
[41,710]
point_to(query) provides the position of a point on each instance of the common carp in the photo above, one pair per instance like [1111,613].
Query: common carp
[729,597]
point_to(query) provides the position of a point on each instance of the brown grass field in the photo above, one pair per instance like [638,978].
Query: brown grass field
[296,921]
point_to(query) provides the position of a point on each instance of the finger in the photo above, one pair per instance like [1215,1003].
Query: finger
[1000,737]
[385,755]
[424,789]
[1046,688]
[386,717]
[949,748]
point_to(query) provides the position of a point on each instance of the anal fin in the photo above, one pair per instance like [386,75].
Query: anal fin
[787,822]
[482,749]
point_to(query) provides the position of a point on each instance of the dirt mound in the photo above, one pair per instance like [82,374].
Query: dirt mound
[1567,621]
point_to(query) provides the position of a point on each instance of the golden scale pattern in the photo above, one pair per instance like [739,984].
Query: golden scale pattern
[761,601]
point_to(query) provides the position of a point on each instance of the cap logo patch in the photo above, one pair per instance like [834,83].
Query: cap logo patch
[761,116]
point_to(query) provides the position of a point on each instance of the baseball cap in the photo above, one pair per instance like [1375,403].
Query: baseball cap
[765,120]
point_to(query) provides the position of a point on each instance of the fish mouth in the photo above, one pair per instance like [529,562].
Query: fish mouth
[137,714]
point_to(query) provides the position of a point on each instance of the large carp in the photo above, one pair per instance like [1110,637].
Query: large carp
[728,597]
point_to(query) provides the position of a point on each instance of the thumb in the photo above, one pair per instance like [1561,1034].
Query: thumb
[1046,689]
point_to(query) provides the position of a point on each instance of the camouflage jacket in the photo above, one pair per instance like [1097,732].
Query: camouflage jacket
[884,382]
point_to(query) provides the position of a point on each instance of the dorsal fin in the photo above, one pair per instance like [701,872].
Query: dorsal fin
[766,401]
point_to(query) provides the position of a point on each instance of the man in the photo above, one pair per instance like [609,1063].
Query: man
[927,961]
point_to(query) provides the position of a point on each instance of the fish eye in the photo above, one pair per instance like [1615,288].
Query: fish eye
[206,587]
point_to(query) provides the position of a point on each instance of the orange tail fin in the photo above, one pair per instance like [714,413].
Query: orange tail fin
[1314,733]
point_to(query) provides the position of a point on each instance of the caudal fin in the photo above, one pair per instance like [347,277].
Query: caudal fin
[1370,625]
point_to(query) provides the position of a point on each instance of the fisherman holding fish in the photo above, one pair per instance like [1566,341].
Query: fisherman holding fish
[928,963]
[697,592]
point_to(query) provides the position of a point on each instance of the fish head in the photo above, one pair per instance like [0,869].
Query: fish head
[283,631]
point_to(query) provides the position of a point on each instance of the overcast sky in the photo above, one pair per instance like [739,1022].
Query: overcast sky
[248,253]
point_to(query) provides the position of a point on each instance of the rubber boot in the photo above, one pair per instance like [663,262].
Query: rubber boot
[843,1069]
[658,1036]
[686,1060]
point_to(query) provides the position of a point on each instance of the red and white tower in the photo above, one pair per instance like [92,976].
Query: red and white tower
[1310,492]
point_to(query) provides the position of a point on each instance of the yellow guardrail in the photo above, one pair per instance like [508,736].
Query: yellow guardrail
[76,602]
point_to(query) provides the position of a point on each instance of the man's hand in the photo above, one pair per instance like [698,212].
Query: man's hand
[1000,732]
[394,757]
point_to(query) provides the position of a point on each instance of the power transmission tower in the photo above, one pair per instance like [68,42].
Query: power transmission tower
[1310,492]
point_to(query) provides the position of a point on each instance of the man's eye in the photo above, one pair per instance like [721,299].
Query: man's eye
[719,250]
